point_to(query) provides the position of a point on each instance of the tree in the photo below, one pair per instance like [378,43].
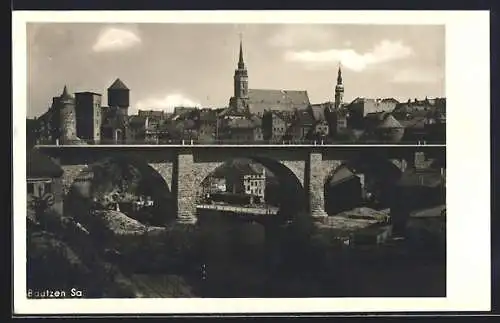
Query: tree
[40,205]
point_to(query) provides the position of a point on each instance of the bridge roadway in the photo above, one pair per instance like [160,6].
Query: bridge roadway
[301,169]
[229,142]
[241,210]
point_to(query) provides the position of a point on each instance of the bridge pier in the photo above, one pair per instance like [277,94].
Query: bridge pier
[316,185]
[185,188]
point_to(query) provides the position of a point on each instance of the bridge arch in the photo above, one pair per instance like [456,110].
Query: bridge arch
[361,182]
[121,180]
[284,179]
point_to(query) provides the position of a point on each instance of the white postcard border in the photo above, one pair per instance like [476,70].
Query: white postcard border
[468,165]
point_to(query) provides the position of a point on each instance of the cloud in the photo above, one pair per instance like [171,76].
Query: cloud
[166,103]
[418,75]
[383,52]
[300,35]
[113,39]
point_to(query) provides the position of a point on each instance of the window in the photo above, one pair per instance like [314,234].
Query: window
[48,187]
[40,190]
[31,188]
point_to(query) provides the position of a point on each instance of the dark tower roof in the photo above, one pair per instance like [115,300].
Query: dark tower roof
[118,85]
[241,63]
[339,76]
[65,94]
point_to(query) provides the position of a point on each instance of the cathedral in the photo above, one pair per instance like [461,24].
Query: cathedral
[246,101]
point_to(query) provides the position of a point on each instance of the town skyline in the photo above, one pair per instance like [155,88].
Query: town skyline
[377,61]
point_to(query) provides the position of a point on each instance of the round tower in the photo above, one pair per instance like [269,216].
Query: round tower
[67,118]
[119,96]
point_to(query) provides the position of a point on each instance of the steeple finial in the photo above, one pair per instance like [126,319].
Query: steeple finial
[241,63]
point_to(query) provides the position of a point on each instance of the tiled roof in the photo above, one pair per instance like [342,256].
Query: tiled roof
[151,113]
[183,110]
[239,166]
[390,100]
[361,100]
[318,111]
[305,118]
[263,99]
[416,122]
[118,85]
[286,116]
[389,122]
[381,120]
[40,165]
[208,115]
[385,100]
[232,112]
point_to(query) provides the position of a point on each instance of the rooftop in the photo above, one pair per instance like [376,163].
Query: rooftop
[262,99]
[118,85]
[88,93]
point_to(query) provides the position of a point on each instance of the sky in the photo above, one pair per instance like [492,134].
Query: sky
[168,65]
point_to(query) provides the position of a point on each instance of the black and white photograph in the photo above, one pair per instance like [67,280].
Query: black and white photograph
[237,160]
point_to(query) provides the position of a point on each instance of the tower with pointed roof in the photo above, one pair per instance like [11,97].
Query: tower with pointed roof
[65,113]
[339,90]
[239,101]
[119,96]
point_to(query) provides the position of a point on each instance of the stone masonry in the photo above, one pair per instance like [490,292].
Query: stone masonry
[165,170]
[190,175]
[185,169]
[316,187]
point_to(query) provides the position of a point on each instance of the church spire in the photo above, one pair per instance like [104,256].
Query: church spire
[339,89]
[339,75]
[241,63]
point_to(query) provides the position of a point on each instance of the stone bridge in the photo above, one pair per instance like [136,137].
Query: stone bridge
[301,170]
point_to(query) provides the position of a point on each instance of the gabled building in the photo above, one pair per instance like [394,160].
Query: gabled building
[274,125]
[240,130]
[243,177]
[383,127]
[301,127]
[360,107]
[153,114]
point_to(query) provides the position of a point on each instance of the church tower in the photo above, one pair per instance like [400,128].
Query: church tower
[241,77]
[239,102]
[339,90]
